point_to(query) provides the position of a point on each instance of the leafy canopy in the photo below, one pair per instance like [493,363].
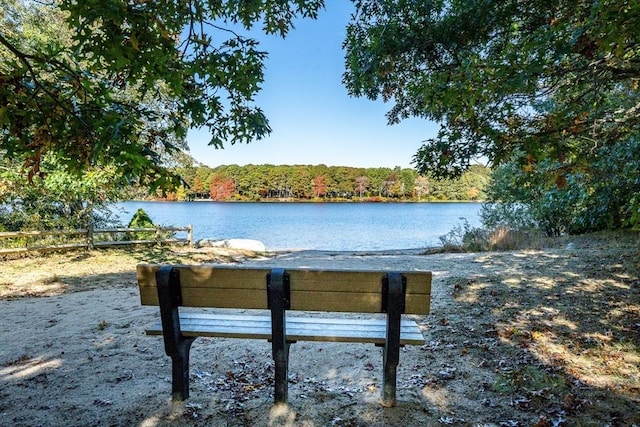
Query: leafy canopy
[541,79]
[123,85]
[58,200]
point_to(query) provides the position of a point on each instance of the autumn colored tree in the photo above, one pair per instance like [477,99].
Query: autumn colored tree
[198,186]
[422,187]
[222,188]
[362,185]
[258,182]
[319,186]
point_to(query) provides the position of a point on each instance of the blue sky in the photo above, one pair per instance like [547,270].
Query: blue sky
[313,120]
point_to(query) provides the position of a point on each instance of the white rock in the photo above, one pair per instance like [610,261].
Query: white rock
[241,244]
[246,244]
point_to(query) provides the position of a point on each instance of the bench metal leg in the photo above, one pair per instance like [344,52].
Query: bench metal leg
[278,294]
[391,358]
[176,345]
[180,370]
[281,390]
[389,375]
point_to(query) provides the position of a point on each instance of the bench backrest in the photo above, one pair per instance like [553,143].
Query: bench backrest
[310,290]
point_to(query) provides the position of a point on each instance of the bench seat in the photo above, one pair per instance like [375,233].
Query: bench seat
[298,328]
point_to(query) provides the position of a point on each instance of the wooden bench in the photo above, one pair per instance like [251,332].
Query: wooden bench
[279,291]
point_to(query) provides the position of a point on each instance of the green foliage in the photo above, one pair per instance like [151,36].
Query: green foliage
[561,200]
[109,82]
[59,200]
[550,80]
[456,239]
[305,182]
[634,213]
[141,219]
[520,200]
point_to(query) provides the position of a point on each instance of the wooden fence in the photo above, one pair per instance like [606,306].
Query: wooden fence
[41,241]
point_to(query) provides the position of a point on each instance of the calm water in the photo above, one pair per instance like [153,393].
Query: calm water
[321,226]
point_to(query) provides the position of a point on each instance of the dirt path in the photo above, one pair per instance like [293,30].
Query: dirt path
[540,338]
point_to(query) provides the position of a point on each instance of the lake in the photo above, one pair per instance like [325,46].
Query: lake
[314,226]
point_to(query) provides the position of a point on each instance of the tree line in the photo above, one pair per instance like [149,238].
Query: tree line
[320,182]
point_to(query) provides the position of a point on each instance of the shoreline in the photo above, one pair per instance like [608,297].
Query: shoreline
[303,201]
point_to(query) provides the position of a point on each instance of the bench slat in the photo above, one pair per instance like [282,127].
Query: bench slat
[298,328]
[313,290]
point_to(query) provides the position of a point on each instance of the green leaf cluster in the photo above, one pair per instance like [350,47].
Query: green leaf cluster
[542,78]
[604,196]
[58,199]
[113,82]
[140,219]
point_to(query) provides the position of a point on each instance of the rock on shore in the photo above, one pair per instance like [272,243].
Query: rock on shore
[241,244]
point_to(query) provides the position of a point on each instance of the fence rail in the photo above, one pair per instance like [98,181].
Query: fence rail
[88,240]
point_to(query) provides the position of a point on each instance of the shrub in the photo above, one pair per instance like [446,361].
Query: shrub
[141,219]
[593,192]
[464,238]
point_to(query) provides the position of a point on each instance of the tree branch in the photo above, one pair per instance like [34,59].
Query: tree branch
[25,58]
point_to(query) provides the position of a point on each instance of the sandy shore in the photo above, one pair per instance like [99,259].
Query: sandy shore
[79,356]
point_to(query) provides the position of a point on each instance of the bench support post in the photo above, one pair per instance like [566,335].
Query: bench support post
[175,344]
[394,301]
[278,294]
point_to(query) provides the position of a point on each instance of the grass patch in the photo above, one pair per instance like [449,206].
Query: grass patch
[532,381]
[55,273]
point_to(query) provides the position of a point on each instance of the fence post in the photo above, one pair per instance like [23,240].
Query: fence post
[90,244]
[157,234]
[190,235]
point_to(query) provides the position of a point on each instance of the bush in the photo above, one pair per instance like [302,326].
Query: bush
[597,191]
[512,216]
[464,238]
[141,219]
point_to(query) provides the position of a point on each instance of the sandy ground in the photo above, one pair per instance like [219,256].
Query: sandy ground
[79,357]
